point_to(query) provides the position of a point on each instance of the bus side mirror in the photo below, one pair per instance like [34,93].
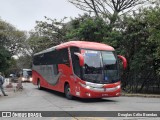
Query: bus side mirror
[81,58]
[124,61]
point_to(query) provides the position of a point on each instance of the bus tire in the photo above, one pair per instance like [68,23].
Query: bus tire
[39,85]
[67,92]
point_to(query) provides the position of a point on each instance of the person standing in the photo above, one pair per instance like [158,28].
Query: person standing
[1,84]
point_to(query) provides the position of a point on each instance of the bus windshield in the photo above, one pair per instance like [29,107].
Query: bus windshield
[27,72]
[100,67]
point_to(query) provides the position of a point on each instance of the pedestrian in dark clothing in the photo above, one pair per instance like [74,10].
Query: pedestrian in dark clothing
[1,84]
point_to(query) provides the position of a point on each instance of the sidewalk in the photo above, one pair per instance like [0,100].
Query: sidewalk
[140,95]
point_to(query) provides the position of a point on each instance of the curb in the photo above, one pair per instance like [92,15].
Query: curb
[140,95]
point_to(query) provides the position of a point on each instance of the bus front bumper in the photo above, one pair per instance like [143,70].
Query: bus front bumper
[86,92]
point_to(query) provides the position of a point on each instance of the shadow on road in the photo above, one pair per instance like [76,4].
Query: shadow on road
[83,100]
[93,100]
[58,94]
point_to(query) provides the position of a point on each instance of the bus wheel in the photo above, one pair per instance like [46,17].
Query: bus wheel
[39,85]
[67,92]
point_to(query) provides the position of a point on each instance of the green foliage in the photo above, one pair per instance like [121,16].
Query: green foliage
[109,10]
[24,62]
[140,45]
[12,42]
[152,18]
[89,28]
[95,29]
[113,38]
[11,38]
[47,34]
[38,43]
[5,58]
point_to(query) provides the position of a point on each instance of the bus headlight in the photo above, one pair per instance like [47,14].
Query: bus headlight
[118,87]
[85,86]
[88,87]
[23,78]
[30,79]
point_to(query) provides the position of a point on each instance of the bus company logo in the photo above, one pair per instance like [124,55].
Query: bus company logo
[6,114]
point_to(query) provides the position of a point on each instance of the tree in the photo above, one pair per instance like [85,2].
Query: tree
[140,44]
[47,34]
[11,38]
[24,62]
[107,9]
[38,43]
[12,42]
[5,58]
[89,28]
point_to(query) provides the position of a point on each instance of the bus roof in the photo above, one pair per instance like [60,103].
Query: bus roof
[80,44]
[27,69]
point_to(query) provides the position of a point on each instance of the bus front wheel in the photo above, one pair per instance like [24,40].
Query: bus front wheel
[68,92]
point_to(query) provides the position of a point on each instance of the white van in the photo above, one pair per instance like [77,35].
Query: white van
[26,75]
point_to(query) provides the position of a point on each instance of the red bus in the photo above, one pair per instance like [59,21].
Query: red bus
[79,68]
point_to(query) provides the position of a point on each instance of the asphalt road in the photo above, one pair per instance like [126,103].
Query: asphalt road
[32,99]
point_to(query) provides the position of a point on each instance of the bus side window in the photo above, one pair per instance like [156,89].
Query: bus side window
[65,57]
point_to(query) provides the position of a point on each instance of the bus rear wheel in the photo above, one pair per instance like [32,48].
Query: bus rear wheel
[68,92]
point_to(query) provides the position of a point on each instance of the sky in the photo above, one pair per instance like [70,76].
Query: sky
[23,13]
